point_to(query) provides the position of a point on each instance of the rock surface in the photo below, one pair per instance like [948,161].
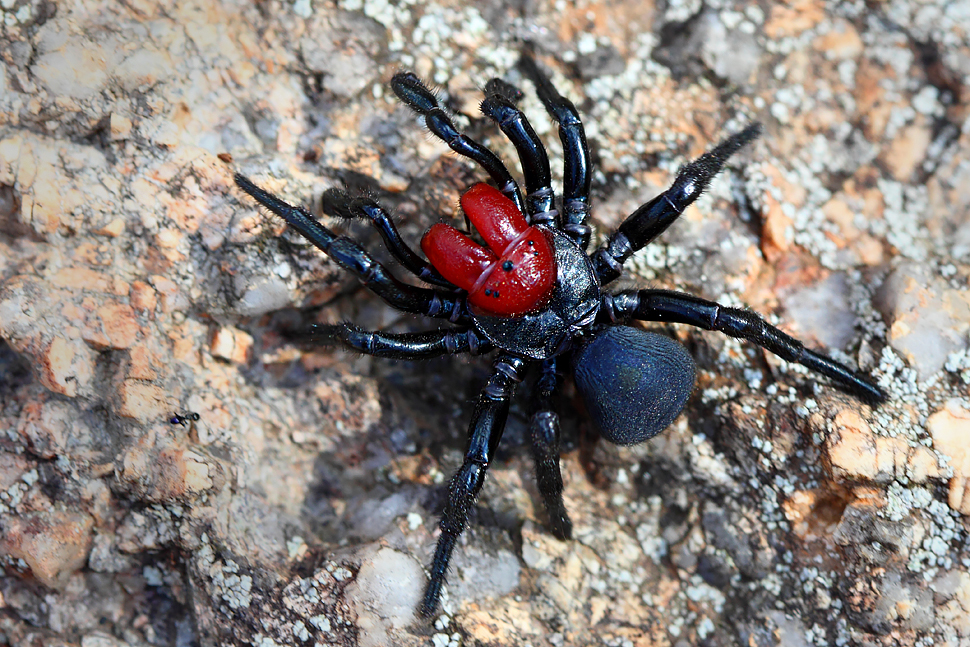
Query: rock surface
[136,282]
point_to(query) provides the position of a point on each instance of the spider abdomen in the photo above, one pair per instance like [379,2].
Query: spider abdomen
[634,382]
[514,275]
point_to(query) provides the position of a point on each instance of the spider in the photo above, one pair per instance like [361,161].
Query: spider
[534,294]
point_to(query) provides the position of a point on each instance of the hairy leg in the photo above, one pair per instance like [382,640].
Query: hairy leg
[415,345]
[353,258]
[653,218]
[339,204]
[484,434]
[409,89]
[576,162]
[544,429]
[677,307]
[499,105]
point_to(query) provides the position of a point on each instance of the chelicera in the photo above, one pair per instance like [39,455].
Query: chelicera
[534,294]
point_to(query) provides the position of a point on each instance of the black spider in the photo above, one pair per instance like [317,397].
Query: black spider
[537,297]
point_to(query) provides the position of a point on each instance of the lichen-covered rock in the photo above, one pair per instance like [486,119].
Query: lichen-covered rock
[52,545]
[302,504]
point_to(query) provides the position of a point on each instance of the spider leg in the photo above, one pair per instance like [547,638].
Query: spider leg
[353,258]
[544,430]
[652,219]
[677,307]
[340,205]
[499,106]
[409,89]
[415,345]
[484,434]
[576,163]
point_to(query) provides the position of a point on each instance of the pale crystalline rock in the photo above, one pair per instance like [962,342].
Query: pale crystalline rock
[950,428]
[386,593]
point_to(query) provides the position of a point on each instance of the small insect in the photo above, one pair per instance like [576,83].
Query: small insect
[534,294]
[184,419]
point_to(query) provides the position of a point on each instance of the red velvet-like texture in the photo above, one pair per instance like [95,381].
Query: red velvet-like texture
[526,285]
[494,216]
[459,259]
[513,278]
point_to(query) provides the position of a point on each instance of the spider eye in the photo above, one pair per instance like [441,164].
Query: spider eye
[515,275]
[634,382]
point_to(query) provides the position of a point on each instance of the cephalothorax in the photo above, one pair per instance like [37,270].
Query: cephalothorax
[535,295]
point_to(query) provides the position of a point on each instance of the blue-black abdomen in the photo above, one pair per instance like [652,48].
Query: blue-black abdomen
[634,382]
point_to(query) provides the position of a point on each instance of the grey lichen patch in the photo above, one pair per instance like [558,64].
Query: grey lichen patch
[231,586]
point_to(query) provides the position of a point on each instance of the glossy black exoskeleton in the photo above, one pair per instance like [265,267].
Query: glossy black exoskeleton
[634,382]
